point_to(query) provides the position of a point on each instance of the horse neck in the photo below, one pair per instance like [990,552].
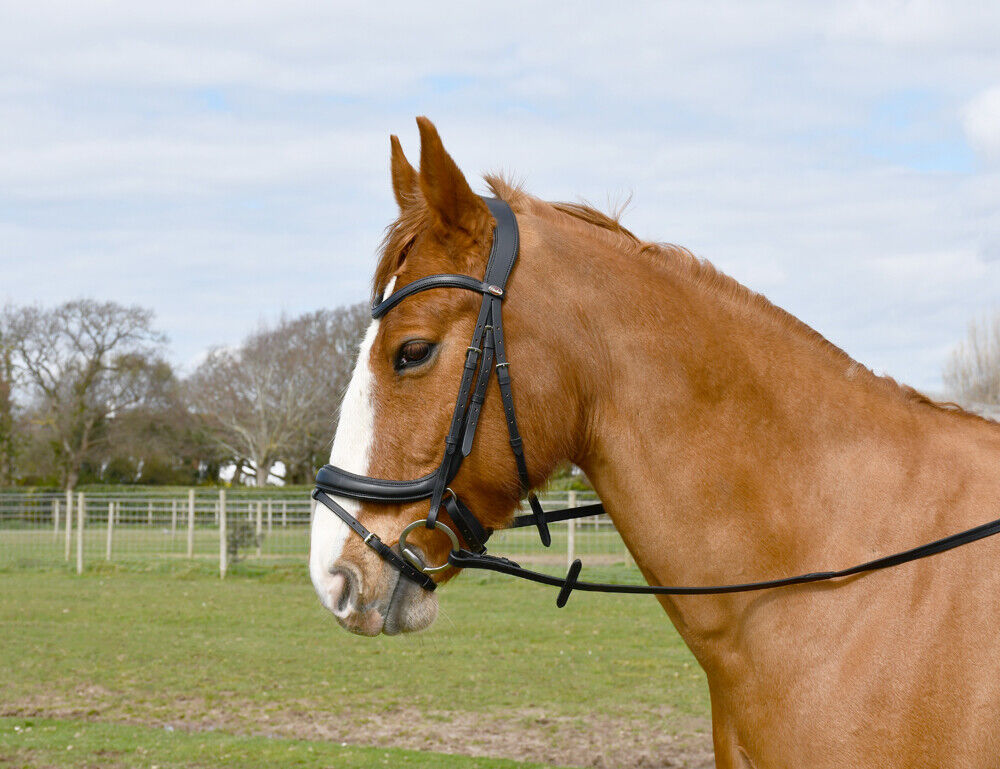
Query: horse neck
[729,442]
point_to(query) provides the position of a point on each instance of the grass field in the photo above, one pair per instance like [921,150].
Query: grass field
[253,662]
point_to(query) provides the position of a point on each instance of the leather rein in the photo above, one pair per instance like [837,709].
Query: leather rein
[487,355]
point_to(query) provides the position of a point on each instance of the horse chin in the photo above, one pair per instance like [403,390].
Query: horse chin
[410,608]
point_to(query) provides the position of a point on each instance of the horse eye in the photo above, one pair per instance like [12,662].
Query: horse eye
[412,353]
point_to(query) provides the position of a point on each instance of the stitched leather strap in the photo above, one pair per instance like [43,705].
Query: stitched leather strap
[553,516]
[467,525]
[478,394]
[341,483]
[384,551]
[506,244]
[432,281]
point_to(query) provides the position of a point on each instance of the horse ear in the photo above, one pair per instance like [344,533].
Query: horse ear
[405,183]
[447,192]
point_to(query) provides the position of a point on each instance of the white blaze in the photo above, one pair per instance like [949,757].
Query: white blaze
[352,446]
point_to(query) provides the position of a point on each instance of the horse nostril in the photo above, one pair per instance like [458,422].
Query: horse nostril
[342,591]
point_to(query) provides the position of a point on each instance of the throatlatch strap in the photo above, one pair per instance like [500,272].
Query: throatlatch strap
[554,516]
[516,443]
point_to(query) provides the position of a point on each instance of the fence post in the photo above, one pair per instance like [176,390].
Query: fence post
[270,516]
[111,528]
[81,511]
[149,514]
[69,521]
[257,528]
[55,520]
[190,523]
[571,533]
[223,555]
[173,518]
[284,515]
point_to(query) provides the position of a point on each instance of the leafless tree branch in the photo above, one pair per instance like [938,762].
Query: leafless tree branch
[972,373]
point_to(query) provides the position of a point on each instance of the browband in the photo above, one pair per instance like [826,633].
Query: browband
[433,281]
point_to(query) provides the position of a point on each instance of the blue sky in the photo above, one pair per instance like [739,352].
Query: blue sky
[224,163]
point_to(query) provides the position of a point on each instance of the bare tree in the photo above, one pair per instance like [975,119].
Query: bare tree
[330,338]
[159,441]
[973,371]
[82,363]
[8,435]
[274,397]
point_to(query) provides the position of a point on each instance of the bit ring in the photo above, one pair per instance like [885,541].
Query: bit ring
[413,558]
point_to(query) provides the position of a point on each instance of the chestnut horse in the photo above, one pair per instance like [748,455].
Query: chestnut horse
[728,441]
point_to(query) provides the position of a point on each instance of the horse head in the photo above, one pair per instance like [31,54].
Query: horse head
[400,400]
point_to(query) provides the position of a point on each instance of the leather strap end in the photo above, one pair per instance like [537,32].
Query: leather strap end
[540,522]
[470,435]
[567,588]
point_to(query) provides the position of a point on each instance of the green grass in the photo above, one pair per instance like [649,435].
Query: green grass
[30,742]
[256,653]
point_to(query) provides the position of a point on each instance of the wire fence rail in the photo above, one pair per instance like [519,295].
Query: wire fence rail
[225,525]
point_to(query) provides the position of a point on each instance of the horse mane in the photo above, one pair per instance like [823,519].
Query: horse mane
[401,233]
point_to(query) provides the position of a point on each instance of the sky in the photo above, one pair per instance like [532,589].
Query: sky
[226,163]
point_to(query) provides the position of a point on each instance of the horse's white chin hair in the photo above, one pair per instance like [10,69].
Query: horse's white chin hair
[410,608]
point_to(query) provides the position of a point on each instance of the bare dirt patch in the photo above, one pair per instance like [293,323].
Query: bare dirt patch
[598,740]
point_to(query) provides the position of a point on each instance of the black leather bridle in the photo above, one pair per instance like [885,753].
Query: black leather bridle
[484,356]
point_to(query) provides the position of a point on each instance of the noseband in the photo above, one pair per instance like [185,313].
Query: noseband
[485,355]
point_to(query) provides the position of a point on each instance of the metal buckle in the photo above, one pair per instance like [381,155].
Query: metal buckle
[495,290]
[413,558]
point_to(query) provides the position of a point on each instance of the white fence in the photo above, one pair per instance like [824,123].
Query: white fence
[38,529]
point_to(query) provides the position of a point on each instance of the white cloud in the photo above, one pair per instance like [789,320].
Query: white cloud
[224,162]
[964,26]
[982,122]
